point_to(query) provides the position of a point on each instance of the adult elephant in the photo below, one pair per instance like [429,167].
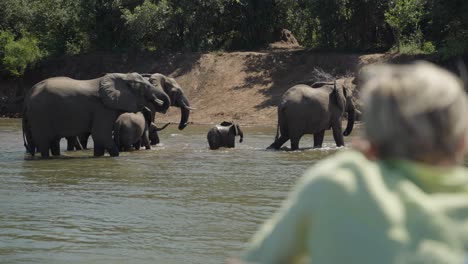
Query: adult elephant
[177,98]
[313,109]
[64,107]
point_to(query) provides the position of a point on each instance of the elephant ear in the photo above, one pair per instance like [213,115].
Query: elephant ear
[115,91]
[340,96]
[233,129]
[158,79]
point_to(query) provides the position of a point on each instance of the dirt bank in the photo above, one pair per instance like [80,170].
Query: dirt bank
[240,86]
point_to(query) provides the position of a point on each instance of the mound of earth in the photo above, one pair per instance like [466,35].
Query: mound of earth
[284,39]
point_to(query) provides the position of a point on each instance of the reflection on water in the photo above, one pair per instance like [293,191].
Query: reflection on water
[177,203]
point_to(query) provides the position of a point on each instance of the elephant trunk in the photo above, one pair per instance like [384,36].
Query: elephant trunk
[241,134]
[351,118]
[184,113]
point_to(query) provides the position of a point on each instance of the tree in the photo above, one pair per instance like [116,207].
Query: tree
[17,55]
[404,15]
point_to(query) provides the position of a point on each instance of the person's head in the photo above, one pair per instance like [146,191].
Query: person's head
[414,111]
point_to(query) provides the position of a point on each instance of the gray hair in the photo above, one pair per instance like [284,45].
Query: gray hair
[414,111]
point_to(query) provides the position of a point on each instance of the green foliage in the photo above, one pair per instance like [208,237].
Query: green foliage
[147,16]
[404,17]
[455,44]
[58,27]
[16,55]
[428,48]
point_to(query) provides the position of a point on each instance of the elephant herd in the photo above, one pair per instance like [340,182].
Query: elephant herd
[63,107]
[118,111]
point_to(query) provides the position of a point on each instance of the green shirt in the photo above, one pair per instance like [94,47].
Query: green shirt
[347,209]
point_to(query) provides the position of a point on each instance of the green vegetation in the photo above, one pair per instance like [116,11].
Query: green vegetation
[33,29]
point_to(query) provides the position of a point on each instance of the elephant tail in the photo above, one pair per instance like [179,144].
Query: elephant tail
[27,136]
[277,132]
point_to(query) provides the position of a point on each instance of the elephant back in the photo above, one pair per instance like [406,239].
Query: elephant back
[115,92]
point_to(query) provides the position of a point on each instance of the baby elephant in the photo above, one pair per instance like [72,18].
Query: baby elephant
[223,135]
[131,129]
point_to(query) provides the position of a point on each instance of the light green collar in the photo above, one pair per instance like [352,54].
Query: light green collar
[431,179]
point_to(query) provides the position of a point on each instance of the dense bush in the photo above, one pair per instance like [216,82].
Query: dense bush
[16,55]
[50,27]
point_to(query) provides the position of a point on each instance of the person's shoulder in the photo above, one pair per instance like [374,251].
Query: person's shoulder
[339,172]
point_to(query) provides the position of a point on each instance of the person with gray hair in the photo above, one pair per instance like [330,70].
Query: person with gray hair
[400,196]
[416,112]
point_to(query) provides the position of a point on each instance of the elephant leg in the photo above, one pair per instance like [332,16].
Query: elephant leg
[318,139]
[231,143]
[43,144]
[137,145]
[279,142]
[145,141]
[154,138]
[101,131]
[126,147]
[113,150]
[55,147]
[84,140]
[337,134]
[43,148]
[45,153]
[101,144]
[214,138]
[98,150]
[71,143]
[295,143]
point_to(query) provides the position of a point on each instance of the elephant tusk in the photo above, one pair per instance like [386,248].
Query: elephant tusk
[186,106]
[159,102]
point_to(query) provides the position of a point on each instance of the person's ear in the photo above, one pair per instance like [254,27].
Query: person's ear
[365,147]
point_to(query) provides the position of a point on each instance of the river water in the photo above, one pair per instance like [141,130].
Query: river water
[177,203]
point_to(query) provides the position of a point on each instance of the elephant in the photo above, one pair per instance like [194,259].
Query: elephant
[132,129]
[223,135]
[313,109]
[64,107]
[177,98]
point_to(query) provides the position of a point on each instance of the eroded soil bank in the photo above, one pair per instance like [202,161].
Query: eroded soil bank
[241,86]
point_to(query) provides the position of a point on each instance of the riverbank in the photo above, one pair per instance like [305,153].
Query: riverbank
[244,87]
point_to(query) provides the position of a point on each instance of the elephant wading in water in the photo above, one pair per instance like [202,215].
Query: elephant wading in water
[312,110]
[132,129]
[223,135]
[177,98]
[64,107]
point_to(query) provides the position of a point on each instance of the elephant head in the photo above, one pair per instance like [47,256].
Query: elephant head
[234,129]
[175,93]
[343,93]
[131,92]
